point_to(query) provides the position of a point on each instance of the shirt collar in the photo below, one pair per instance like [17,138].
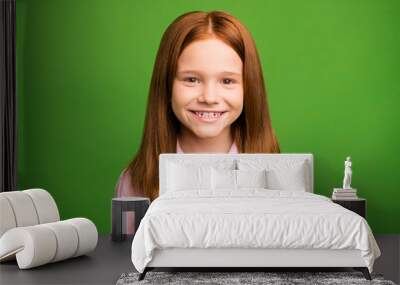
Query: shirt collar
[233,148]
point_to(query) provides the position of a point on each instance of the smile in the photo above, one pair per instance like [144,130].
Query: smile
[207,116]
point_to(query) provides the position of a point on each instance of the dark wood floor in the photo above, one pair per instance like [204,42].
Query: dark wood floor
[389,262]
[110,260]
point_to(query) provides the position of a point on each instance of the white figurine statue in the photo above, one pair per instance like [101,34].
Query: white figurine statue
[347,173]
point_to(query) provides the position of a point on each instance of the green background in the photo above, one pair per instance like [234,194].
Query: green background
[332,71]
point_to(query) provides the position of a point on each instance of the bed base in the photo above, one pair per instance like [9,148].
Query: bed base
[245,259]
[364,270]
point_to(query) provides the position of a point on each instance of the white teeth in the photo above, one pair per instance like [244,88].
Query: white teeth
[208,114]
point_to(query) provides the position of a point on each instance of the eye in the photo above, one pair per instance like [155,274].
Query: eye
[228,81]
[190,79]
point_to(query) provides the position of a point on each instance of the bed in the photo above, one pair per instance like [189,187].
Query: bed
[247,210]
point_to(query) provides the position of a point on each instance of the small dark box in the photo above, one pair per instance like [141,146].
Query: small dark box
[123,205]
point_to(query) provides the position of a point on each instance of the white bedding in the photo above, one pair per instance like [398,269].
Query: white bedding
[250,218]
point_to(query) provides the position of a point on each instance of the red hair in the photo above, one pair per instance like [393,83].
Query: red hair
[252,131]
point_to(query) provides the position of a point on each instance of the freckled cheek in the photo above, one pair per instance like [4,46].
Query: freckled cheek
[181,98]
[235,101]
[183,95]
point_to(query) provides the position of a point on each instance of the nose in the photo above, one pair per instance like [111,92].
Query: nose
[209,94]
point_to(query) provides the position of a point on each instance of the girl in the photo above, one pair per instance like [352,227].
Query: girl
[207,94]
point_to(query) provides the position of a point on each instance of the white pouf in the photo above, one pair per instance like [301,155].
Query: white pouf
[31,233]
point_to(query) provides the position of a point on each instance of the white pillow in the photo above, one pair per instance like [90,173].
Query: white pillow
[181,177]
[284,174]
[251,178]
[287,179]
[236,179]
[223,179]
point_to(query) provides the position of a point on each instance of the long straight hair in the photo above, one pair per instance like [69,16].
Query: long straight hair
[252,131]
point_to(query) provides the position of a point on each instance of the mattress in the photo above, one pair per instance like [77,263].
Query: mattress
[253,218]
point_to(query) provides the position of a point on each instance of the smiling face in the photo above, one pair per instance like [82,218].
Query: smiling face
[207,93]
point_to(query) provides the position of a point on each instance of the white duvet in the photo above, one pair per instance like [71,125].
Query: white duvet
[250,218]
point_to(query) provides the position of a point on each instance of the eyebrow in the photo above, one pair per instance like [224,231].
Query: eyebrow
[199,72]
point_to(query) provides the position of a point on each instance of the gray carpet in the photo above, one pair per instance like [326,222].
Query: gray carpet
[225,278]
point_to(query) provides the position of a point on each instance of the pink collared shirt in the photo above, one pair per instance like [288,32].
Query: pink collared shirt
[233,148]
[124,189]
